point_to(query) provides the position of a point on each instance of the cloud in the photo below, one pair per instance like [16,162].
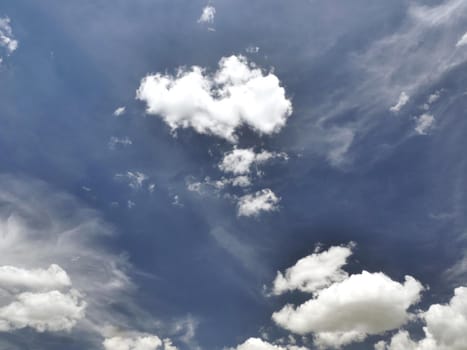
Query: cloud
[259,344]
[137,341]
[122,141]
[345,310]
[403,99]
[424,123]
[444,329]
[119,111]
[462,41]
[261,201]
[6,36]
[207,16]
[135,179]
[237,94]
[314,272]
[240,161]
[14,278]
[48,311]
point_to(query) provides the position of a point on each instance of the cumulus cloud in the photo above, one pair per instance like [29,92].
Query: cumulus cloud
[240,161]
[314,272]
[403,99]
[137,341]
[445,327]
[261,201]
[13,278]
[259,344]
[208,14]
[119,111]
[7,40]
[424,123]
[343,308]
[237,94]
[48,311]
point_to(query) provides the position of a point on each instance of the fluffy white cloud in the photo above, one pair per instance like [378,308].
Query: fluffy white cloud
[253,204]
[445,327]
[259,344]
[207,16]
[13,278]
[424,123]
[6,36]
[343,309]
[142,342]
[314,272]
[462,41]
[49,311]
[403,99]
[237,94]
[240,161]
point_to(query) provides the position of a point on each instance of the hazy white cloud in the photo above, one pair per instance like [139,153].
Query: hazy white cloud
[424,123]
[208,14]
[314,272]
[445,327]
[240,161]
[13,278]
[119,141]
[6,36]
[135,179]
[462,41]
[47,311]
[218,104]
[403,99]
[119,111]
[261,201]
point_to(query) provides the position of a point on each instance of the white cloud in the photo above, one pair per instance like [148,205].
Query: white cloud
[48,311]
[208,14]
[314,272]
[462,41]
[136,342]
[240,161]
[237,94]
[343,309]
[14,278]
[403,99]
[259,344]
[122,141]
[119,111]
[424,123]
[6,36]
[445,327]
[261,201]
[135,179]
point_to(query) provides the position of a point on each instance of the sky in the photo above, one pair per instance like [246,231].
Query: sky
[233,175]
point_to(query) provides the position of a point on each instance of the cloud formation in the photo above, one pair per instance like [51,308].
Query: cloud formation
[237,94]
[403,99]
[259,344]
[445,327]
[7,40]
[260,201]
[345,310]
[208,14]
[137,341]
[314,272]
[424,123]
[240,161]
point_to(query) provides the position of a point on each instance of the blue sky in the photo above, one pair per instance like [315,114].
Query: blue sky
[244,175]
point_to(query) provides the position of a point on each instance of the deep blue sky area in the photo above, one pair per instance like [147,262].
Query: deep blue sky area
[372,153]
